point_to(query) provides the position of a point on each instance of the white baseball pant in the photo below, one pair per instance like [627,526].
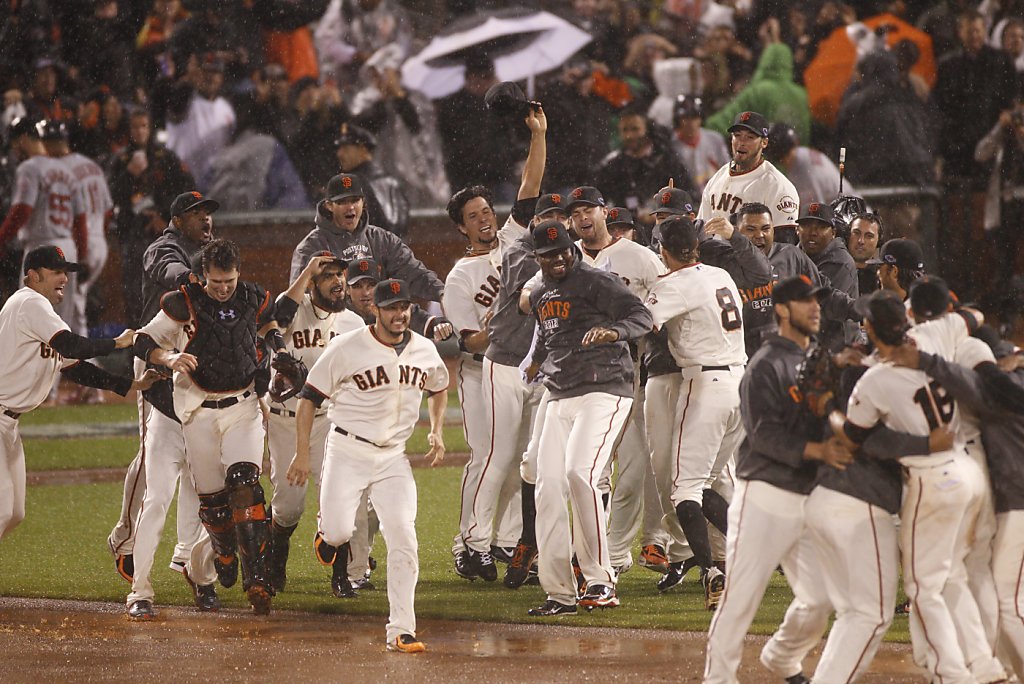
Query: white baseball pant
[528,464]
[12,475]
[498,412]
[939,513]
[217,438]
[1008,568]
[766,526]
[164,444]
[844,532]
[661,394]
[575,447]
[289,501]
[351,468]
[978,562]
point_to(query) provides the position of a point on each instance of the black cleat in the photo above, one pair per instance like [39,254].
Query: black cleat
[502,554]
[466,566]
[551,608]
[204,595]
[340,584]
[599,596]
[518,570]
[676,573]
[141,610]
[485,566]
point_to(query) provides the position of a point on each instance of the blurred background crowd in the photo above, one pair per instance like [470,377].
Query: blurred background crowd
[258,102]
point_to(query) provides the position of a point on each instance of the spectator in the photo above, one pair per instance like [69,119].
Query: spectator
[673,77]
[44,100]
[703,151]
[107,58]
[475,143]
[630,176]
[975,83]
[941,22]
[811,172]
[398,119]
[144,180]
[386,204]
[1003,150]
[350,31]
[152,42]
[1008,36]
[608,46]
[220,28]
[771,91]
[103,127]
[200,126]
[643,53]
[725,66]
[321,114]
[287,39]
[27,36]
[253,172]
[271,101]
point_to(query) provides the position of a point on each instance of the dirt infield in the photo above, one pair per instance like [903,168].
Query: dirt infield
[46,640]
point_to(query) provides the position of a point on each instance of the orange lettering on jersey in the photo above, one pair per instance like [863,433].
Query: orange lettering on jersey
[795,394]
[553,309]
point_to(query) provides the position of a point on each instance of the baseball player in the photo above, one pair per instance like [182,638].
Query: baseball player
[749,177]
[319,295]
[217,386]
[46,208]
[699,305]
[37,346]
[96,202]
[374,379]
[940,502]
[585,317]
[160,463]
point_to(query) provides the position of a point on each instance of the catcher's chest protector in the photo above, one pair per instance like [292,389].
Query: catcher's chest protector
[224,341]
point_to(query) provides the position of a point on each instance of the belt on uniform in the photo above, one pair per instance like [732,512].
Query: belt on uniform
[706,369]
[12,414]
[291,414]
[224,403]
[343,431]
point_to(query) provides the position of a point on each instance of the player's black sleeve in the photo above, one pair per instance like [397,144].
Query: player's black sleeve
[883,443]
[524,209]
[84,373]
[285,309]
[312,394]
[72,346]
[144,346]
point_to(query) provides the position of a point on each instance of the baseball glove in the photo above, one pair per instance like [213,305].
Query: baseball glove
[818,380]
[289,377]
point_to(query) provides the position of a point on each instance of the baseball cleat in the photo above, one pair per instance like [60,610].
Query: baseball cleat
[799,678]
[653,557]
[624,567]
[259,598]
[363,583]
[141,610]
[676,573]
[125,566]
[204,595]
[340,584]
[599,596]
[551,608]
[407,643]
[713,580]
[227,570]
[465,565]
[518,569]
[485,566]
[503,554]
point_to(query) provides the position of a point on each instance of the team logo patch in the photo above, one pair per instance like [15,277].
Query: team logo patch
[745,116]
[396,287]
[806,280]
[613,214]
[227,315]
[556,199]
[552,234]
[786,204]
[364,266]
[60,252]
[347,181]
[666,198]
[577,193]
[197,195]
[814,208]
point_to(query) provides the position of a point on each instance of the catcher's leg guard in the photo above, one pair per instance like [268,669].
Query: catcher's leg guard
[325,553]
[716,510]
[248,509]
[691,519]
[215,513]
[278,557]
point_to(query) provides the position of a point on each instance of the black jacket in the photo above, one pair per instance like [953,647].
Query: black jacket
[631,181]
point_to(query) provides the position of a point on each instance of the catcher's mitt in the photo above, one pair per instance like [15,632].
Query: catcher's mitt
[289,376]
[818,380]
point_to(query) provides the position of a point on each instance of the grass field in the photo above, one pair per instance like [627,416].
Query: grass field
[60,552]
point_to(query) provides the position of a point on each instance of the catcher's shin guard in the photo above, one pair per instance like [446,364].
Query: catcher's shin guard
[277,560]
[215,512]
[252,527]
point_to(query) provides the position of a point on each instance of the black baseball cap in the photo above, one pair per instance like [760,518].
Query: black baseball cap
[550,236]
[887,314]
[355,135]
[552,201]
[620,215]
[53,129]
[901,253]
[187,201]
[49,257]
[344,185]
[585,194]
[390,291]
[930,297]
[359,269]
[816,211]
[679,233]
[751,121]
[334,258]
[24,125]
[687,106]
[673,201]
[795,289]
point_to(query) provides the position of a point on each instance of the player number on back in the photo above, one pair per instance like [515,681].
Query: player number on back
[60,210]
[938,406]
[730,312]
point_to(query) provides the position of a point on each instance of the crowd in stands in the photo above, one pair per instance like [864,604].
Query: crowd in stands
[246,100]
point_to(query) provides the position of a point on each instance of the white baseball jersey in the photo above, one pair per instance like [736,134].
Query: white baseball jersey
[470,291]
[905,400]
[49,187]
[638,266]
[703,157]
[969,353]
[700,307]
[27,324]
[95,194]
[726,192]
[942,335]
[311,329]
[375,393]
